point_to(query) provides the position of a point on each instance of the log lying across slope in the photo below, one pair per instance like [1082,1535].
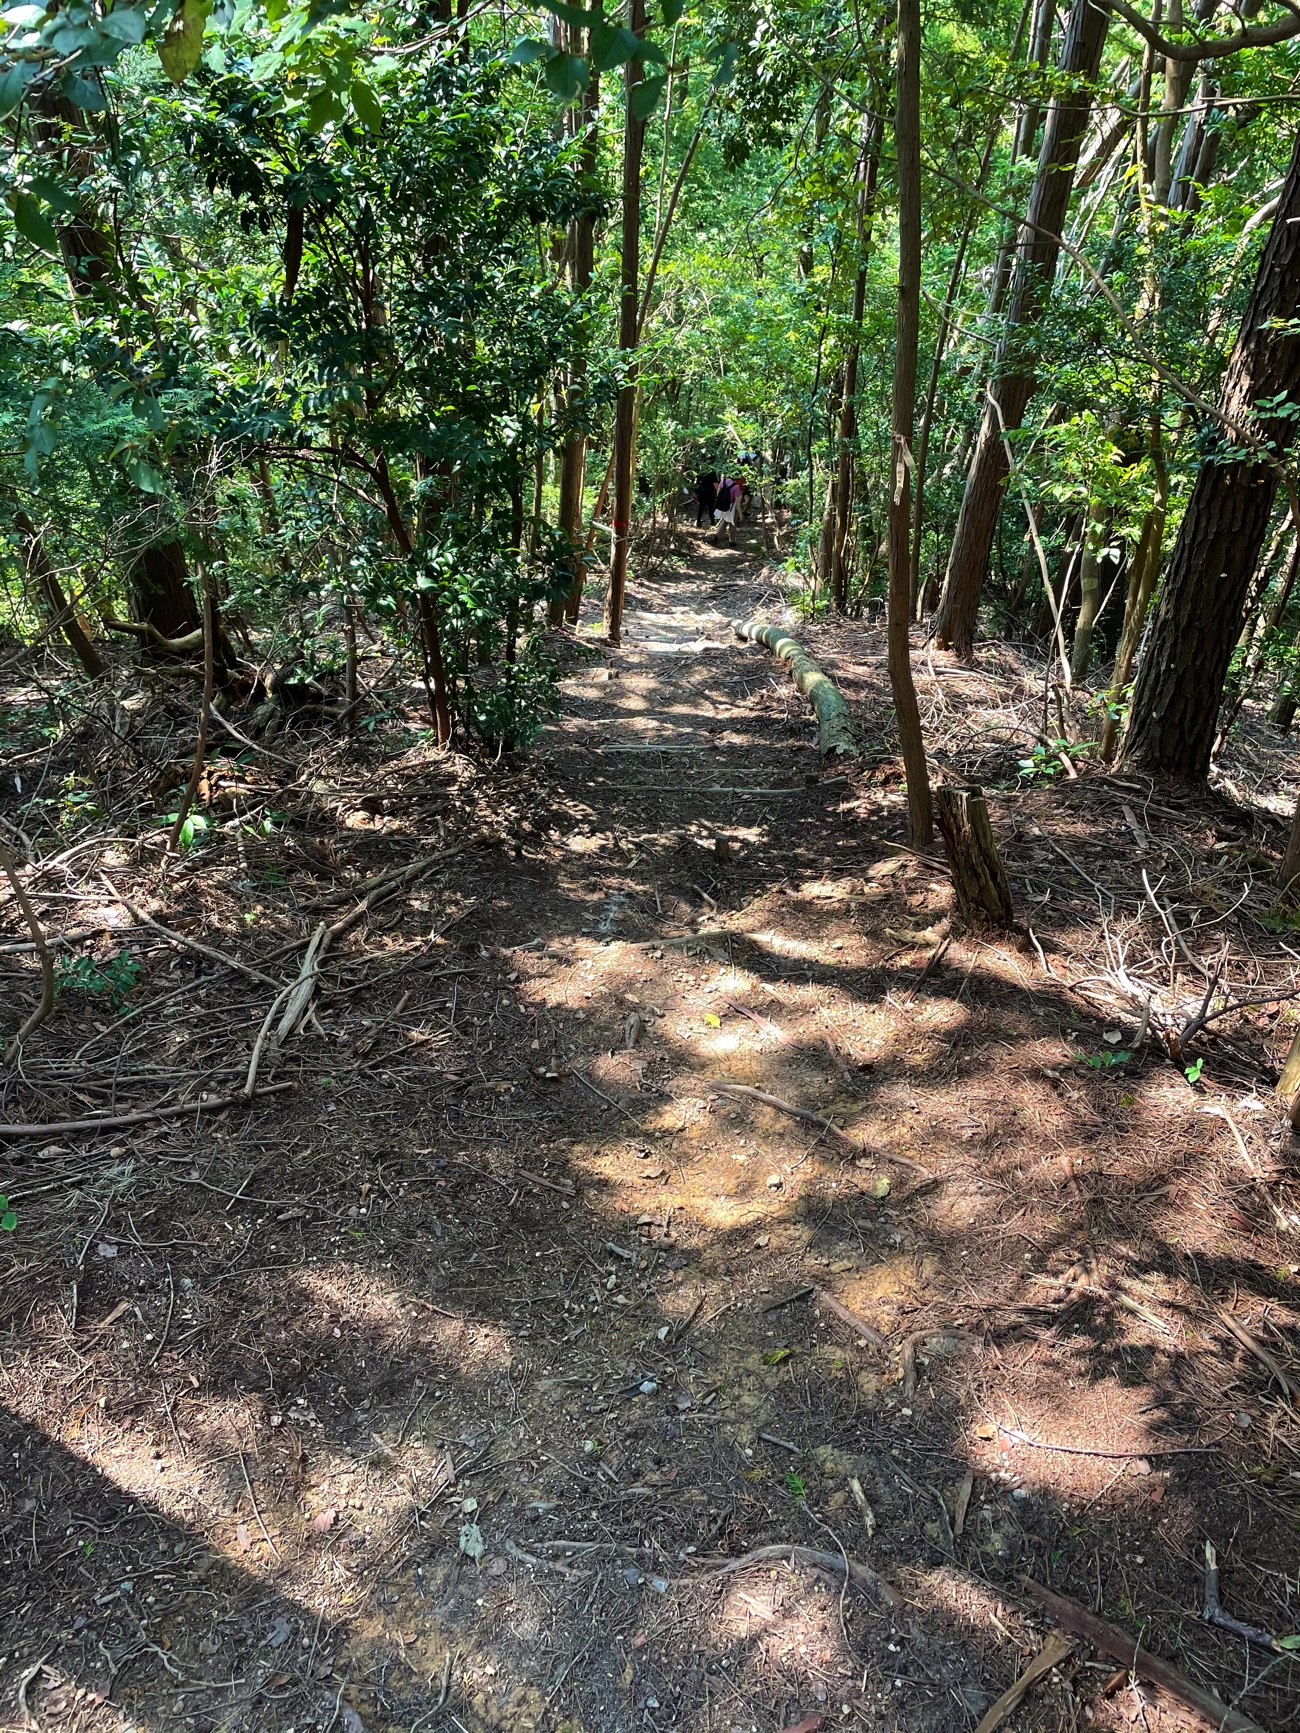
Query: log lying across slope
[834,724]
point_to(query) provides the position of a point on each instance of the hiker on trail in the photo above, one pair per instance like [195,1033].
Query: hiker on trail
[725,506]
[706,491]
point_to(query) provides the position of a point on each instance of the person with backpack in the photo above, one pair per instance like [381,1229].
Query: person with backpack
[724,507]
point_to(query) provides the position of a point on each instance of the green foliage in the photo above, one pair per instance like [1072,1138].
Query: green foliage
[113,980]
[8,1217]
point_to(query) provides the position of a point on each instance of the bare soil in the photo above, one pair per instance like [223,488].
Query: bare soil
[441,1389]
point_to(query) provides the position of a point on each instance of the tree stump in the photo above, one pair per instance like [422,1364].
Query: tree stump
[978,876]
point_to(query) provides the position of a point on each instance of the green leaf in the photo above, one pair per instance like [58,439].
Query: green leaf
[51,193]
[13,82]
[566,75]
[613,45]
[645,96]
[323,107]
[727,63]
[83,93]
[127,23]
[146,477]
[8,1221]
[33,224]
[526,51]
[366,105]
[182,44]
[22,16]
[672,10]
[1290,1644]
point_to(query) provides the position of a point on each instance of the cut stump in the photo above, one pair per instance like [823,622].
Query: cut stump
[834,724]
[978,876]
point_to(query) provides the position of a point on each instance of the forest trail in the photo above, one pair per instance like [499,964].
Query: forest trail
[450,1389]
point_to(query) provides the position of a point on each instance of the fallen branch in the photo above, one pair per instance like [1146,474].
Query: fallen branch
[744,1092]
[1052,1653]
[189,944]
[41,946]
[834,724]
[114,1122]
[852,1319]
[1213,1614]
[1108,1455]
[860,1576]
[1123,1648]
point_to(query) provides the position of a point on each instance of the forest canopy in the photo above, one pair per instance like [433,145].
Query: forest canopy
[401,319]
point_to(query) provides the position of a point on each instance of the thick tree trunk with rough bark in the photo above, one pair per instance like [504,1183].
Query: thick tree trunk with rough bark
[1198,618]
[161,590]
[1013,378]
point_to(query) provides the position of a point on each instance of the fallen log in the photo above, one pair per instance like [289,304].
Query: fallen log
[1130,1653]
[834,724]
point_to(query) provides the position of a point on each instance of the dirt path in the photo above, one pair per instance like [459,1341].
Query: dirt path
[440,1394]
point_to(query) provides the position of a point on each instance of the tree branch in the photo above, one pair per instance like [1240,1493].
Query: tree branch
[1265,36]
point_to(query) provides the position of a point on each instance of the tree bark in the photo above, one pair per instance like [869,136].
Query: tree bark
[161,591]
[629,306]
[1036,255]
[834,723]
[979,879]
[1181,674]
[46,583]
[907,144]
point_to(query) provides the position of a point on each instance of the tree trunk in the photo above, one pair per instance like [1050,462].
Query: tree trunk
[573,463]
[1089,593]
[869,160]
[1037,251]
[1141,587]
[629,305]
[1180,679]
[45,581]
[907,144]
[1022,142]
[161,592]
[979,879]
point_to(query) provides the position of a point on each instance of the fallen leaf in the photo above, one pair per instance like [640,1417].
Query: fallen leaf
[881,1187]
[106,1249]
[471,1540]
[809,1724]
[713,1020]
[243,1540]
[323,1521]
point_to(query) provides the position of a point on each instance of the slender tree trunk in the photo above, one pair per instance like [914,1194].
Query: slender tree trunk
[868,164]
[205,707]
[907,142]
[1089,592]
[1036,256]
[573,463]
[45,581]
[1143,570]
[1180,679]
[629,306]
